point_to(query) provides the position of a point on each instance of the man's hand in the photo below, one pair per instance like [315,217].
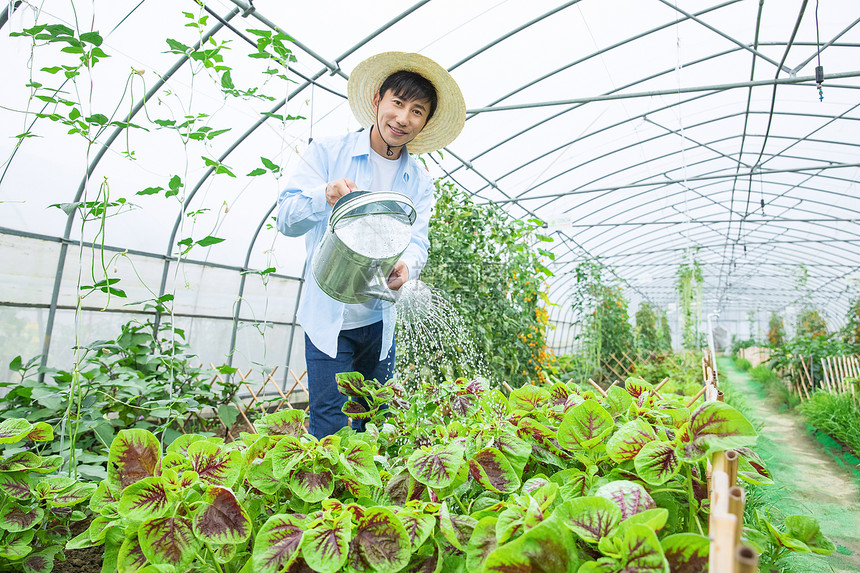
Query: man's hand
[337,189]
[399,275]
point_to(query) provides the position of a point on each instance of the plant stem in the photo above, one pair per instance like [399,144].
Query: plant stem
[460,503]
[691,498]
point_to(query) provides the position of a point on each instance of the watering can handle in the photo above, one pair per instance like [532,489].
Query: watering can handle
[351,201]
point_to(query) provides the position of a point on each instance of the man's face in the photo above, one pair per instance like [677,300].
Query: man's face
[400,120]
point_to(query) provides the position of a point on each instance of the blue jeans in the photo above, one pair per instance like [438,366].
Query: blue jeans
[357,351]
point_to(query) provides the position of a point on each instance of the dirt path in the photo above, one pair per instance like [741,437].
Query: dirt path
[810,481]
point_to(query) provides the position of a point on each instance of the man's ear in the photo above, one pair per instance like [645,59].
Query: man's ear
[375,101]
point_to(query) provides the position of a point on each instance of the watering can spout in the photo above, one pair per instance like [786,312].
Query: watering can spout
[378,288]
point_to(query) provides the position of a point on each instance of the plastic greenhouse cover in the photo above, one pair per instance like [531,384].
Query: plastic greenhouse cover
[640,131]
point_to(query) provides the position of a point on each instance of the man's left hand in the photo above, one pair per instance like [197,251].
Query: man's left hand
[399,275]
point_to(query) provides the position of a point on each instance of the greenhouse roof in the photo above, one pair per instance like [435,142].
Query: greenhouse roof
[643,133]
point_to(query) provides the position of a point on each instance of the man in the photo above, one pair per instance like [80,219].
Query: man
[407,103]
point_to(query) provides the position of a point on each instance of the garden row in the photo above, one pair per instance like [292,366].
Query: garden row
[459,477]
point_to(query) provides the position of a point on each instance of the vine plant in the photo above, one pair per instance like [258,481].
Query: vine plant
[688,285]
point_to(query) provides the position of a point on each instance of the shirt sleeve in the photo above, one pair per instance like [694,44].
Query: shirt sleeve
[302,204]
[415,255]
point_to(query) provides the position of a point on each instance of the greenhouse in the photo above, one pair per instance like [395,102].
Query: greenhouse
[601,316]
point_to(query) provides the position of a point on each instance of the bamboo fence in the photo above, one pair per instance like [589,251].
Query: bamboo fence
[838,375]
[755,354]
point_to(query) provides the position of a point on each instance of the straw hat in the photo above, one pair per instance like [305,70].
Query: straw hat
[450,115]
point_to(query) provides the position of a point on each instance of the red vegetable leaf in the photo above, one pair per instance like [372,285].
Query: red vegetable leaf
[686,552]
[356,410]
[326,545]
[493,471]
[214,464]
[130,556]
[41,432]
[436,467]
[631,498]
[656,462]
[169,541]
[590,517]
[380,542]
[15,518]
[528,397]
[73,495]
[221,519]
[357,460]
[277,544]
[41,562]
[351,384]
[482,543]
[418,525]
[134,455]
[636,386]
[290,422]
[14,430]
[311,486]
[149,498]
[19,462]
[15,484]
[457,529]
[627,440]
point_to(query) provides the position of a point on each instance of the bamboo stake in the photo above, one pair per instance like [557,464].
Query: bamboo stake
[599,389]
[746,559]
[826,375]
[660,385]
[833,376]
[721,528]
[697,396]
[811,384]
[845,374]
[737,497]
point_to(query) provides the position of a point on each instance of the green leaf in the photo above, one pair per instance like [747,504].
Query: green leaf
[41,561]
[177,47]
[277,544]
[807,530]
[256,172]
[481,543]
[77,493]
[210,240]
[227,80]
[221,519]
[528,397]
[228,414]
[16,545]
[418,525]
[436,467]
[549,548]
[92,38]
[457,529]
[15,484]
[357,460]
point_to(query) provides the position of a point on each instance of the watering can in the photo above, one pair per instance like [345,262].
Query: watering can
[366,234]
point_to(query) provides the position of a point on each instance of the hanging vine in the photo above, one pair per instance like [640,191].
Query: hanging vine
[688,286]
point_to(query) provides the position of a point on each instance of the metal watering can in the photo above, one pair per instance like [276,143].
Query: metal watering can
[366,234]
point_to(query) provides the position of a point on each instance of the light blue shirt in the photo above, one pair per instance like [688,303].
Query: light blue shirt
[303,210]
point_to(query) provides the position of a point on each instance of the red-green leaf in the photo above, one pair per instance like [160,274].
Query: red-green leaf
[14,430]
[493,471]
[41,562]
[656,462]
[287,453]
[637,386]
[686,552]
[380,541]
[311,486]
[289,422]
[352,384]
[436,467]
[17,545]
[549,548]
[591,517]
[14,518]
[277,544]
[20,462]
[221,519]
[261,476]
[134,455]
[169,541]
[418,525]
[631,498]
[357,460]
[149,498]
[627,440]
[716,426]
[41,432]
[482,543]
[15,484]
[130,556]
[457,529]
[214,464]
[587,424]
[528,397]
[73,495]
[325,547]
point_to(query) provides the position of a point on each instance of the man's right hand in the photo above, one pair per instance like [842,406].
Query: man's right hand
[337,189]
